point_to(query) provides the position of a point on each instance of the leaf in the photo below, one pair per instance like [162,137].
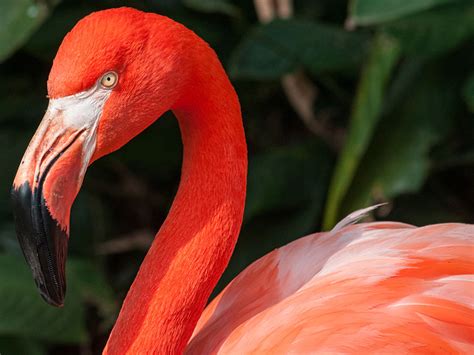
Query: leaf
[94,288]
[468,92]
[423,208]
[19,19]
[213,6]
[15,345]
[407,73]
[370,12]
[287,177]
[433,32]
[8,240]
[398,158]
[24,313]
[85,236]
[281,46]
[12,146]
[163,138]
[366,111]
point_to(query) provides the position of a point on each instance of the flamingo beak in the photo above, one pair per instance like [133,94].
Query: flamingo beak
[47,182]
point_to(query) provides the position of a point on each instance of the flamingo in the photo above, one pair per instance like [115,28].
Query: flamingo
[380,287]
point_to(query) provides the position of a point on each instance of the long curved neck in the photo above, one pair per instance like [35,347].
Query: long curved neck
[194,245]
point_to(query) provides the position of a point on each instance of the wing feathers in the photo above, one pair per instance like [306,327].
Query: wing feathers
[376,287]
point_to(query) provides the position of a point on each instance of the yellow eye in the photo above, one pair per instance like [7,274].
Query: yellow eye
[109,80]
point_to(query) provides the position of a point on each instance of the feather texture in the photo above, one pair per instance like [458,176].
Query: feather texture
[379,287]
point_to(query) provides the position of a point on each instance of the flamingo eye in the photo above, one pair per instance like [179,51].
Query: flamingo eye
[109,80]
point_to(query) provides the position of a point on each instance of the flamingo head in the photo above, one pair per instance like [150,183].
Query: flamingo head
[114,74]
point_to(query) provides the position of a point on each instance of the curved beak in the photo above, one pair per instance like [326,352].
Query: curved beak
[47,182]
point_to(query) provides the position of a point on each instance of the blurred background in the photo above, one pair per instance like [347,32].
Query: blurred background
[345,104]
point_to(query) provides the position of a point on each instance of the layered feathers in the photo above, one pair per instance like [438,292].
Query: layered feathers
[378,287]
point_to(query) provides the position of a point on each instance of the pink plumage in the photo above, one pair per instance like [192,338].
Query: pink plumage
[376,287]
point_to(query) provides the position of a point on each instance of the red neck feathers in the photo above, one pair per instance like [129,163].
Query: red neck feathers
[195,243]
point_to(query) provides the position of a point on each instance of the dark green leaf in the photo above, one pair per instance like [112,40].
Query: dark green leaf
[369,12]
[94,288]
[219,6]
[85,236]
[15,346]
[12,145]
[366,111]
[157,150]
[279,47]
[24,313]
[8,240]
[434,32]
[398,158]
[287,177]
[468,92]
[18,20]
[422,209]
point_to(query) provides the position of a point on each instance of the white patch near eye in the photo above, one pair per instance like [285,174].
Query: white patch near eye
[82,111]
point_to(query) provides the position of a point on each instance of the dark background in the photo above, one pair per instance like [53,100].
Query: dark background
[344,105]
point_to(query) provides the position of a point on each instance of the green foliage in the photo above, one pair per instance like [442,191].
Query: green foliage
[294,172]
[432,32]
[213,6]
[367,108]
[92,286]
[13,145]
[398,160]
[24,313]
[14,346]
[397,80]
[468,92]
[279,47]
[369,12]
[19,19]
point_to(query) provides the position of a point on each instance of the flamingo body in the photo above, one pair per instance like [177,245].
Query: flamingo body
[377,287]
[383,287]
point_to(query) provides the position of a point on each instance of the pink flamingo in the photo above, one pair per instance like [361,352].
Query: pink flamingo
[380,287]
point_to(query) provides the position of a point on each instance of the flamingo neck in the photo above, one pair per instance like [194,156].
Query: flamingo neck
[194,245]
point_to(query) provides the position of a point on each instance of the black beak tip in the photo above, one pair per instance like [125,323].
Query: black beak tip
[43,242]
[55,299]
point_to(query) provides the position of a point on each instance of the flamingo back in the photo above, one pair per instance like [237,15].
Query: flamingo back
[379,287]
